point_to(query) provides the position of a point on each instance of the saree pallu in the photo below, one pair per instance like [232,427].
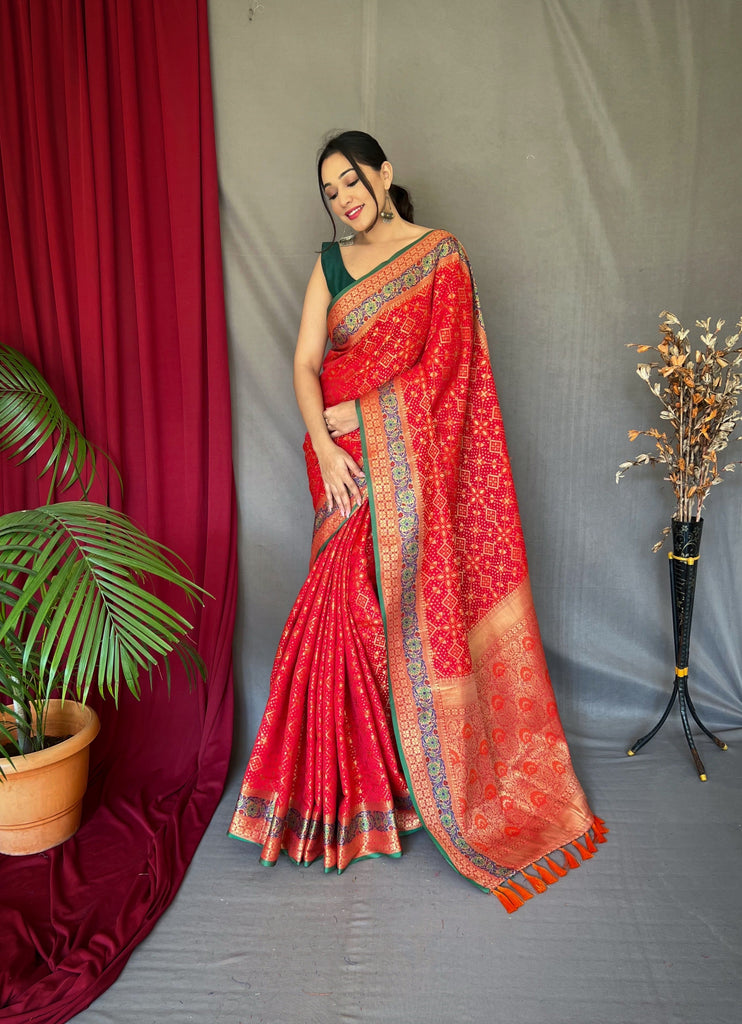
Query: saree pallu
[447,651]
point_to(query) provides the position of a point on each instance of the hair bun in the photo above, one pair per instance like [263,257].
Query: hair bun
[403,201]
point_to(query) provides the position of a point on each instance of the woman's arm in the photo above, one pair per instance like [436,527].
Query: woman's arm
[337,467]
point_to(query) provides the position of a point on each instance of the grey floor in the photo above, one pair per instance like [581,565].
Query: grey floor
[648,930]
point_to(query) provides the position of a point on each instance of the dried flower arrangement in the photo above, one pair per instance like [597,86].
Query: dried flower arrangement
[699,394]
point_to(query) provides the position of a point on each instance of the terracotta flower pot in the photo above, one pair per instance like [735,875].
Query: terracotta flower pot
[41,795]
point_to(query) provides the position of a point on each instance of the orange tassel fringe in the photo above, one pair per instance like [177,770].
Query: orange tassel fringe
[556,868]
[599,830]
[535,883]
[572,861]
[583,850]
[545,874]
[512,895]
[523,893]
[508,898]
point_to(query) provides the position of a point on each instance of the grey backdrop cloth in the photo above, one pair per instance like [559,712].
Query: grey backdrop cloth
[587,153]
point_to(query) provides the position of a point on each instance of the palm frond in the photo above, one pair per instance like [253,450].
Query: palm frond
[31,417]
[73,578]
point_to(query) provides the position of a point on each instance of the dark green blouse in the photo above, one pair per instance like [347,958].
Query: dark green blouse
[336,276]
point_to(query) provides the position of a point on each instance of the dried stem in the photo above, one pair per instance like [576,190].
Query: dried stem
[699,393]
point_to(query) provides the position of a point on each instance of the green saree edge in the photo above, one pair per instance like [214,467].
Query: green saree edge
[395,724]
[307,863]
[357,860]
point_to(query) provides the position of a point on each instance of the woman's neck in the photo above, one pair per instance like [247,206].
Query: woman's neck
[385,234]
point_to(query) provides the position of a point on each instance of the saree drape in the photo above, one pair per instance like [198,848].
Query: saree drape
[110,281]
[477,729]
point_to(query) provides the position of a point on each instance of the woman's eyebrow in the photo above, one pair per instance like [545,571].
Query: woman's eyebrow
[327,184]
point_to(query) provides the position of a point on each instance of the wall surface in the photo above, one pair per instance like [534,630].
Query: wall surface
[587,154]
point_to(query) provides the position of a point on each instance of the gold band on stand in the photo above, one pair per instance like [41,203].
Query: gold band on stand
[679,558]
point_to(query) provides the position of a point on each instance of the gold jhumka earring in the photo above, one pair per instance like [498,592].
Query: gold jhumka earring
[387,212]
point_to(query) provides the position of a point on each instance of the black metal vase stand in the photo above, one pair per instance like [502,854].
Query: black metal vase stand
[686,543]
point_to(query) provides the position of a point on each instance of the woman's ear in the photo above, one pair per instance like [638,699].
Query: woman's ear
[387,174]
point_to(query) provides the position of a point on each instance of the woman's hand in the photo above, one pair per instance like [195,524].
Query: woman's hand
[341,419]
[338,469]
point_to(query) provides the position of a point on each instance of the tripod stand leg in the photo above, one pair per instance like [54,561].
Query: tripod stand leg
[682,690]
[635,747]
[720,743]
[683,560]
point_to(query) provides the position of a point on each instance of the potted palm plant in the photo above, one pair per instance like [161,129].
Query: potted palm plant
[77,615]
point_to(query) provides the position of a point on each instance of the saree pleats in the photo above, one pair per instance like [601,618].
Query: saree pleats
[324,779]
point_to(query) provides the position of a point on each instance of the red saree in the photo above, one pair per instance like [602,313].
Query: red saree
[446,655]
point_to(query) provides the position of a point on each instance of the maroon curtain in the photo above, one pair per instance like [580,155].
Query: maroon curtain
[110,281]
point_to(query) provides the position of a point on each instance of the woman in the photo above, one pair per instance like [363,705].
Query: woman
[410,685]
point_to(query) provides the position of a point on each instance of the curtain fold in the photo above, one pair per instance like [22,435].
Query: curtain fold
[111,282]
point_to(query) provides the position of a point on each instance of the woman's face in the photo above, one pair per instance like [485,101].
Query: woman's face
[348,197]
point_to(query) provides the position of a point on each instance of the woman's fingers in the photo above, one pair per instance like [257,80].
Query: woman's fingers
[341,419]
[341,489]
[354,472]
[345,494]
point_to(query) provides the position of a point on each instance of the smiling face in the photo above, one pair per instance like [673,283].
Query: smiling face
[347,196]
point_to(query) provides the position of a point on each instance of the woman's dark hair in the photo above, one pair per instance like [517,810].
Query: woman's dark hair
[360,148]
